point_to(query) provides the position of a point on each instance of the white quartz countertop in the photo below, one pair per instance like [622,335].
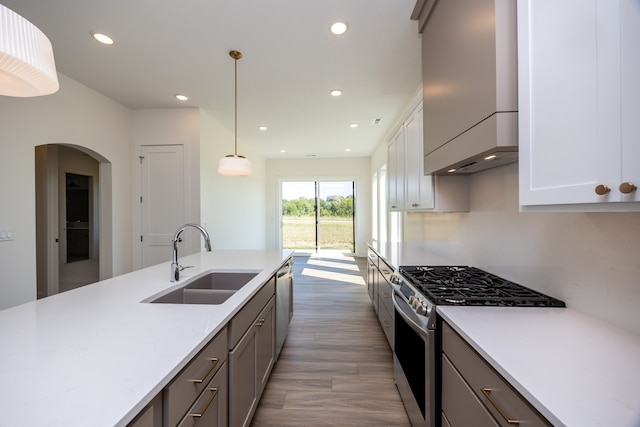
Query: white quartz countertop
[95,356]
[574,369]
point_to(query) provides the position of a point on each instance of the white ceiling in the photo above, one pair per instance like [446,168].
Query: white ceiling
[290,63]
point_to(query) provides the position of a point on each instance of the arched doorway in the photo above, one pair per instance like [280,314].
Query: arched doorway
[73,220]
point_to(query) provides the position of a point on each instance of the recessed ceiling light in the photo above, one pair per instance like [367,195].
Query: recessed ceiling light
[353,125]
[491,157]
[181,97]
[103,38]
[262,127]
[336,92]
[451,170]
[283,151]
[338,27]
[347,149]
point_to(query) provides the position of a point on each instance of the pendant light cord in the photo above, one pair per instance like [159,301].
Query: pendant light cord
[235,94]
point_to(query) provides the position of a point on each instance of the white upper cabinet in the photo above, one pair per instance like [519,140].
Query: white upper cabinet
[409,189]
[419,186]
[579,103]
[396,171]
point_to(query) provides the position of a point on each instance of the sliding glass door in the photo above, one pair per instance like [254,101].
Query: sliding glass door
[318,216]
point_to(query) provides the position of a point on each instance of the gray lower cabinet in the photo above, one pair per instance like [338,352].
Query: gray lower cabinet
[222,384]
[211,407]
[373,278]
[198,394]
[385,304]
[379,288]
[385,309]
[150,416]
[473,393]
[252,355]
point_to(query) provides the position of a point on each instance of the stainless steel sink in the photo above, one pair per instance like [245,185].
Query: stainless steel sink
[214,287]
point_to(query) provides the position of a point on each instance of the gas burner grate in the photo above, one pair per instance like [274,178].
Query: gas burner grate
[464,285]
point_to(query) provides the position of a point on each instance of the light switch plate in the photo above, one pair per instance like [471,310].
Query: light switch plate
[6,234]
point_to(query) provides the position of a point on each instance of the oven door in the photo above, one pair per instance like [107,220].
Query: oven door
[414,363]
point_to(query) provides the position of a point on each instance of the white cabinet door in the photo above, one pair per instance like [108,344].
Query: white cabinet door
[419,186]
[396,171]
[630,102]
[573,71]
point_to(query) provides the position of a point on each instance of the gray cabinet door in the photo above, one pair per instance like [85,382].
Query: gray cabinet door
[265,346]
[250,364]
[243,392]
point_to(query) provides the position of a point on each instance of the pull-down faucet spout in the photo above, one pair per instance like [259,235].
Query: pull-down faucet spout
[175,266]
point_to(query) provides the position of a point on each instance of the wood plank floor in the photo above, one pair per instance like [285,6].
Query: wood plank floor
[336,367]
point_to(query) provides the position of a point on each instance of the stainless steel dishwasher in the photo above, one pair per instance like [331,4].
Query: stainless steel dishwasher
[284,303]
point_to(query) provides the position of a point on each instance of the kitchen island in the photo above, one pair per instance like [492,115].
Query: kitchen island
[98,354]
[574,369]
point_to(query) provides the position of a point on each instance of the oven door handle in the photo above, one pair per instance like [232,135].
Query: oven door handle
[403,311]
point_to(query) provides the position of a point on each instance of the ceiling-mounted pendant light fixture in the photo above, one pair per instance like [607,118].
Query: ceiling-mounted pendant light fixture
[235,164]
[27,67]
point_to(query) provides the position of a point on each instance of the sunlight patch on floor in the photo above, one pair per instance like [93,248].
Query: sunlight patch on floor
[319,273]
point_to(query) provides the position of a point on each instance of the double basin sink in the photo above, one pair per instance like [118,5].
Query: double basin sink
[213,287]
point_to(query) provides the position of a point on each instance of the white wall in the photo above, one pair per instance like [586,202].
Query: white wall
[232,208]
[351,169]
[589,260]
[74,115]
[168,126]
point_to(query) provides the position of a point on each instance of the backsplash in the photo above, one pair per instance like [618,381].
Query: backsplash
[589,260]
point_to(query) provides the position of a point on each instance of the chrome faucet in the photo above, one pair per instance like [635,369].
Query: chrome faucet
[176,268]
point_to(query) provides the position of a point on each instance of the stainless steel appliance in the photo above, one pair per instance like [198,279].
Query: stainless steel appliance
[417,291]
[284,303]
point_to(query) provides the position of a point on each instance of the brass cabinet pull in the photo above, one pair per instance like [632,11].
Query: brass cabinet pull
[260,322]
[487,393]
[215,362]
[627,188]
[602,189]
[211,399]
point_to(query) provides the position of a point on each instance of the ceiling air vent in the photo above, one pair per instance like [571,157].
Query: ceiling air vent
[377,121]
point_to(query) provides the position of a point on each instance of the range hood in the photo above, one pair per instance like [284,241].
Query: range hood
[470,84]
[489,144]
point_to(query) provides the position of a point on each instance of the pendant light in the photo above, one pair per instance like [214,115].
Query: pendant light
[27,67]
[235,164]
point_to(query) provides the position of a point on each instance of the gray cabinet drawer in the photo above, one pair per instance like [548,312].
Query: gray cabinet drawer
[210,409]
[373,257]
[502,401]
[180,394]
[385,270]
[459,402]
[243,320]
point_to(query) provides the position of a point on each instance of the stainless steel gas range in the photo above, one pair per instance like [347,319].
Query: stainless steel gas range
[417,292]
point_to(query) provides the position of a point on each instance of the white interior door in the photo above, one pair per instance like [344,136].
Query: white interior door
[163,200]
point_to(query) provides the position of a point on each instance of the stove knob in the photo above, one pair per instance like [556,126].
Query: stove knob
[412,298]
[422,309]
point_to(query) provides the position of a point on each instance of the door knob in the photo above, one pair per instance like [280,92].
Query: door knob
[601,190]
[627,188]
